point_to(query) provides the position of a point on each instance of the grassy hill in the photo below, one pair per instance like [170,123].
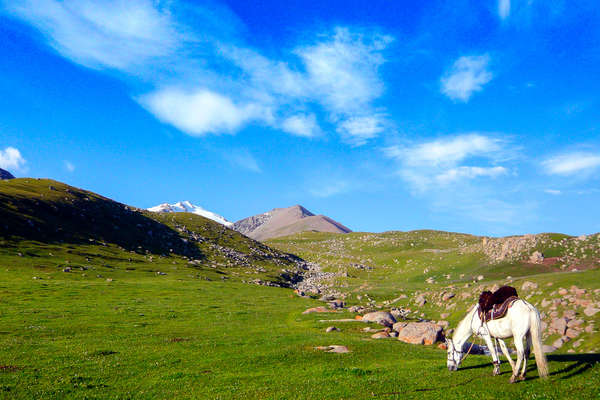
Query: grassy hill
[168,315]
[393,269]
[51,226]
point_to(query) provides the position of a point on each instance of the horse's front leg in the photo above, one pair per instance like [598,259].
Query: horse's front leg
[490,344]
[506,352]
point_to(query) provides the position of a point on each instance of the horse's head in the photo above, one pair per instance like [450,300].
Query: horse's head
[454,356]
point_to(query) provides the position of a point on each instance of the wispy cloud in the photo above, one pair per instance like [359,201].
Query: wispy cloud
[553,192]
[503,8]
[440,162]
[244,159]
[301,125]
[468,75]
[330,189]
[69,166]
[572,163]
[11,158]
[202,112]
[228,85]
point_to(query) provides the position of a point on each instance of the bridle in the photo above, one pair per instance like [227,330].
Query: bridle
[451,358]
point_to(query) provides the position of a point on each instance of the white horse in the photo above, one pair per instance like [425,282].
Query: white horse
[522,320]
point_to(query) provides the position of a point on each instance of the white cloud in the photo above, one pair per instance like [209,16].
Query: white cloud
[503,8]
[169,45]
[301,125]
[572,163]
[117,34]
[357,130]
[446,151]
[202,112]
[343,70]
[438,162]
[459,173]
[10,158]
[553,192]
[467,76]
[69,166]
[244,159]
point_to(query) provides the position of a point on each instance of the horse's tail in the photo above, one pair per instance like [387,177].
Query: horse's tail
[536,338]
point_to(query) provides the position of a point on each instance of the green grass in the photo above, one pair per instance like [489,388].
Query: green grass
[114,328]
[144,337]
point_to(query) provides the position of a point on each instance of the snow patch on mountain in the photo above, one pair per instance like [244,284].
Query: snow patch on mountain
[186,206]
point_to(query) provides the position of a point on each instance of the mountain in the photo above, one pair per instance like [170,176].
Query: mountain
[41,218]
[186,206]
[5,175]
[286,221]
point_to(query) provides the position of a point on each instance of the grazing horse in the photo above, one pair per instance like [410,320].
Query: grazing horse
[522,321]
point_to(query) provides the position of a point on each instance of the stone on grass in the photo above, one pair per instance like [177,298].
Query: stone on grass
[420,333]
[559,325]
[529,285]
[381,317]
[590,311]
[331,329]
[548,349]
[398,326]
[333,349]
[447,296]
[319,309]
[380,335]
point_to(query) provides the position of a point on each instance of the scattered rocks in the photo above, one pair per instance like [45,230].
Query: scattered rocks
[447,296]
[420,333]
[529,286]
[420,301]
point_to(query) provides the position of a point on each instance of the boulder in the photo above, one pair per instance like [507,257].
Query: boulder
[336,304]
[559,325]
[420,333]
[420,301]
[562,291]
[381,317]
[590,311]
[558,343]
[398,326]
[536,258]
[572,333]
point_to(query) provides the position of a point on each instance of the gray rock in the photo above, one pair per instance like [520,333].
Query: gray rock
[331,329]
[420,333]
[381,317]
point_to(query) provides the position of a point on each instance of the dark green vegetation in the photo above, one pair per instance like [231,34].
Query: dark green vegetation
[113,327]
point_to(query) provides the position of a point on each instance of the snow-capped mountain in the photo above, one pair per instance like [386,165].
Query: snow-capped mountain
[186,206]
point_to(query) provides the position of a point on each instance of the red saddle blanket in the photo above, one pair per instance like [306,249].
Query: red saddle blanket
[499,310]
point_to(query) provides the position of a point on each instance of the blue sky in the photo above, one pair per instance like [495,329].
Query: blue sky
[474,116]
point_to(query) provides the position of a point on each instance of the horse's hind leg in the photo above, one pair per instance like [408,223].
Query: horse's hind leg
[520,355]
[526,354]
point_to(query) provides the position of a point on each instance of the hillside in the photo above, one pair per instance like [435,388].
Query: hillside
[286,221]
[438,275]
[87,229]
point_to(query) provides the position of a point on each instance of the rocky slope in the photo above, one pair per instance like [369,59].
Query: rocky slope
[286,221]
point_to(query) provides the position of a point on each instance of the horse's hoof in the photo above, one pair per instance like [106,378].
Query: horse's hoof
[521,377]
[496,371]
[513,379]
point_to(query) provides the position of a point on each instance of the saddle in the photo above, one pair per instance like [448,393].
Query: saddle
[495,305]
